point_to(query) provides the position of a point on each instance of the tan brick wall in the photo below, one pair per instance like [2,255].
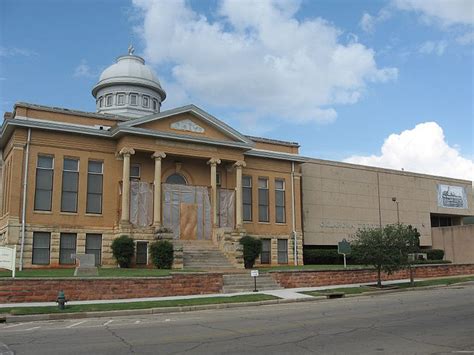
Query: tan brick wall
[457,243]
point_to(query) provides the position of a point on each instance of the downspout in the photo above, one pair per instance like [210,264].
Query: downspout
[293,218]
[23,206]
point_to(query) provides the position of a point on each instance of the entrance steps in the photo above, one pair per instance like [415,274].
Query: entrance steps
[245,283]
[204,255]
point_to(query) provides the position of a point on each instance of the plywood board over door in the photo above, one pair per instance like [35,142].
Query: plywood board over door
[188,221]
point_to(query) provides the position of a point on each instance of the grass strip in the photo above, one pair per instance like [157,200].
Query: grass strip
[136,305]
[313,267]
[363,289]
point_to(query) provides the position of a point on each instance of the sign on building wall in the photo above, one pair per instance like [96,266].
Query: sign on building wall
[452,196]
[7,259]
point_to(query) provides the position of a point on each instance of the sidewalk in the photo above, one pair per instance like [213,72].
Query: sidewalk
[285,294]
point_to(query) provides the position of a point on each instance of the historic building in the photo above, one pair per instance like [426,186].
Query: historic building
[73,181]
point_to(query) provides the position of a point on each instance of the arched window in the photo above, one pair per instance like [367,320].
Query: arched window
[177,179]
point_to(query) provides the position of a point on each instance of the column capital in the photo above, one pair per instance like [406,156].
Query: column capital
[127,151]
[158,155]
[213,161]
[240,164]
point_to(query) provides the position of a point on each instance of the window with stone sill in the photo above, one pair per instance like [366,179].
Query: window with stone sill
[134,99]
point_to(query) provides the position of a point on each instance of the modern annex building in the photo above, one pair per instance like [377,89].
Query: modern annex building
[73,181]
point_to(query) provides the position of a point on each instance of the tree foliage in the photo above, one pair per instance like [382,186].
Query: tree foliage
[162,254]
[386,249]
[123,249]
[252,249]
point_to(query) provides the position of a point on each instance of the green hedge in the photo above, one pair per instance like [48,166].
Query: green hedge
[252,249]
[162,254]
[324,256]
[422,262]
[434,254]
[123,249]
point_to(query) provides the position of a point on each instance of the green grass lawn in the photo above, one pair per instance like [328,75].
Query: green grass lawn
[136,305]
[363,289]
[103,272]
[311,267]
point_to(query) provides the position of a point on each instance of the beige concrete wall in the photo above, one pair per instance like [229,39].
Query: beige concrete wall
[457,243]
[339,198]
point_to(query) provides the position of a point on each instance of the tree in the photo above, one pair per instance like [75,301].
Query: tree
[123,249]
[252,249]
[162,254]
[385,248]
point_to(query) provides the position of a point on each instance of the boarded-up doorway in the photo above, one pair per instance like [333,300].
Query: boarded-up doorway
[187,211]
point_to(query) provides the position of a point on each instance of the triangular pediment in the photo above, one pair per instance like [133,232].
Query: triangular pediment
[188,121]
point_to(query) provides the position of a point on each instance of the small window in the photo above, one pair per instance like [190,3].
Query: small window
[176,179]
[146,101]
[134,99]
[67,247]
[41,246]
[121,99]
[280,215]
[247,198]
[263,200]
[218,179]
[135,171]
[101,101]
[282,251]
[155,105]
[44,183]
[109,100]
[142,253]
[265,255]
[94,246]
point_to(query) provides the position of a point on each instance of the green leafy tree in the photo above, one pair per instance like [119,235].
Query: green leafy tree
[123,249]
[386,249]
[162,254]
[252,249]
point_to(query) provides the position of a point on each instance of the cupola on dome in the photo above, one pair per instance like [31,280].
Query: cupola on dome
[129,88]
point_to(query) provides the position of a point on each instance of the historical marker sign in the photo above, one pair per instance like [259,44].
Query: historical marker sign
[344,248]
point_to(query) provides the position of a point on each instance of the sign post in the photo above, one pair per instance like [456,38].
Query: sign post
[8,259]
[254,274]
[344,248]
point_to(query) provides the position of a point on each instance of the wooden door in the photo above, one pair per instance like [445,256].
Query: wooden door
[188,221]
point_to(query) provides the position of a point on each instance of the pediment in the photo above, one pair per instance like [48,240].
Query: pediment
[188,121]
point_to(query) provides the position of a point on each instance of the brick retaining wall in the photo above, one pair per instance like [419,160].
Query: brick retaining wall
[290,279]
[44,290]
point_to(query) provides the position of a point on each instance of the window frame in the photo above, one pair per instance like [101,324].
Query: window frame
[107,97]
[88,211]
[248,203]
[40,168]
[62,250]
[67,171]
[121,96]
[283,206]
[260,204]
[264,258]
[96,235]
[282,254]
[147,98]
[133,96]
[135,177]
[42,234]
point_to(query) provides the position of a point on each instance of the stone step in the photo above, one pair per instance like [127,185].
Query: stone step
[204,255]
[245,283]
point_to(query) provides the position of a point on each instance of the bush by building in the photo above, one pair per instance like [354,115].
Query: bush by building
[317,256]
[162,254]
[434,254]
[252,249]
[123,249]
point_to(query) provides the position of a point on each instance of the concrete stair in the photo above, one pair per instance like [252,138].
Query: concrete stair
[204,255]
[245,283]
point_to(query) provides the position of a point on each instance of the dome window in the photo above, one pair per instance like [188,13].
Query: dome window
[155,105]
[101,101]
[109,99]
[134,99]
[121,99]
[146,101]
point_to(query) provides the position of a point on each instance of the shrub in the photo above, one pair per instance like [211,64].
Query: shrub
[123,249]
[428,262]
[325,257]
[434,254]
[252,249]
[162,254]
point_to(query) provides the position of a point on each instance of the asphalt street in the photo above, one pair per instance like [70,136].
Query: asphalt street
[435,321]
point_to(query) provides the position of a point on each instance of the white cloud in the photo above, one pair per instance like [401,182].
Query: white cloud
[422,149]
[466,38]
[368,22]
[445,12]
[257,57]
[15,51]
[83,70]
[435,47]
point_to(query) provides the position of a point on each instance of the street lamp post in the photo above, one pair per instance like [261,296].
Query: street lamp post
[394,199]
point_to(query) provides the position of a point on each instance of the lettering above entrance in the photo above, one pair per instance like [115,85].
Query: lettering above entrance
[187,125]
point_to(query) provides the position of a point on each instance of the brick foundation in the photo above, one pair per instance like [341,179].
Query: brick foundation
[290,279]
[46,290]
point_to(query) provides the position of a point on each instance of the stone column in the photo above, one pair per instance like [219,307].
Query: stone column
[213,163]
[238,193]
[126,153]
[157,191]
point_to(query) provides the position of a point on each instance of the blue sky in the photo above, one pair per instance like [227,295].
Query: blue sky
[387,83]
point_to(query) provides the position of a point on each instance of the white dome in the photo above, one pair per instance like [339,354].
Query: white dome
[129,69]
